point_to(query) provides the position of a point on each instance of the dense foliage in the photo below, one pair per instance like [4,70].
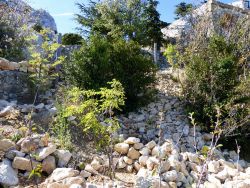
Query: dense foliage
[131,19]
[213,81]
[12,32]
[182,9]
[11,45]
[99,61]
[71,39]
[94,110]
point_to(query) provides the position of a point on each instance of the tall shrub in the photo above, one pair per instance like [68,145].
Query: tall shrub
[100,60]
[213,79]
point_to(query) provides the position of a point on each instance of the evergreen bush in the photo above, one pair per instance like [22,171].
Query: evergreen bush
[100,60]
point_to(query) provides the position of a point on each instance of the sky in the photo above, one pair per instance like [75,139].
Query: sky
[63,11]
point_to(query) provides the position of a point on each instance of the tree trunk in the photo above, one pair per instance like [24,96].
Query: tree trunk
[155,53]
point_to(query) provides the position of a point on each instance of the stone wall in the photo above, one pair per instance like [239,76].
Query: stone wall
[14,85]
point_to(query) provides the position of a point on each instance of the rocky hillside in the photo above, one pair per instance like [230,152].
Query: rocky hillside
[157,148]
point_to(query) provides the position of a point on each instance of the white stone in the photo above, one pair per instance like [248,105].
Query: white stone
[222,175]
[127,160]
[143,172]
[137,166]
[132,140]
[121,163]
[143,159]
[85,174]
[6,144]
[133,154]
[121,148]
[90,169]
[138,146]
[62,173]
[170,175]
[49,164]
[165,166]
[42,153]
[75,186]
[8,176]
[96,164]
[151,144]
[145,151]
[23,163]
[129,168]
[193,157]
[213,166]
[6,111]
[63,157]
[214,180]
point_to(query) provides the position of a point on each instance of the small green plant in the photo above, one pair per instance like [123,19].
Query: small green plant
[171,53]
[61,130]
[36,172]
[94,112]
[16,137]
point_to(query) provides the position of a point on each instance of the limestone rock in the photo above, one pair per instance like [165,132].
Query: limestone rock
[121,148]
[6,144]
[193,157]
[151,144]
[8,176]
[90,169]
[129,168]
[63,157]
[138,146]
[133,154]
[11,154]
[85,174]
[42,153]
[78,180]
[213,166]
[145,151]
[142,160]
[127,160]
[165,166]
[121,163]
[96,164]
[28,145]
[170,176]
[23,163]
[62,173]
[132,140]
[49,164]
[6,111]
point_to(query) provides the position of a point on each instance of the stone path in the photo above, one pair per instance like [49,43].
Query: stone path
[167,113]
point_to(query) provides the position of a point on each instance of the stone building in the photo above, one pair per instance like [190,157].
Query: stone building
[213,10]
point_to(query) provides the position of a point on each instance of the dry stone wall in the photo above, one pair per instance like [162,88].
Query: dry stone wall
[14,82]
[15,86]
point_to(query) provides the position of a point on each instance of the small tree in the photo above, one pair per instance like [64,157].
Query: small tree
[183,9]
[119,59]
[42,64]
[94,111]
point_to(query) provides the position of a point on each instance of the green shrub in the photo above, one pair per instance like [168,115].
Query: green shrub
[101,60]
[37,27]
[11,44]
[213,80]
[170,53]
[71,39]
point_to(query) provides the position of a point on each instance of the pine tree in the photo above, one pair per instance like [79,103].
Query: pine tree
[183,9]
